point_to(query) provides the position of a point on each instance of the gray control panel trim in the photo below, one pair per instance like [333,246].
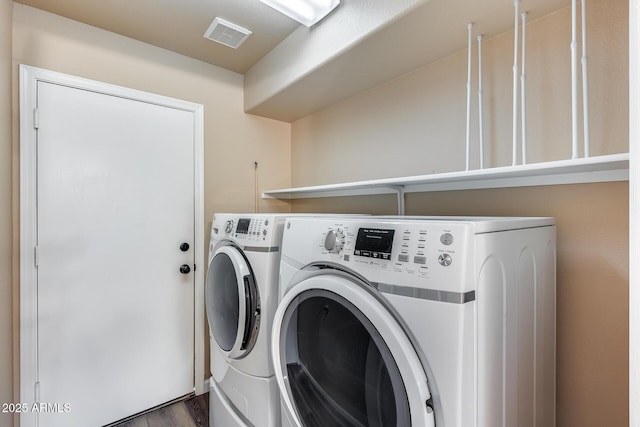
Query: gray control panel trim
[428,294]
[260,249]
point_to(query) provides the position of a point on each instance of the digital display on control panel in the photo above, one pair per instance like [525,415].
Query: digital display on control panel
[243,226]
[374,243]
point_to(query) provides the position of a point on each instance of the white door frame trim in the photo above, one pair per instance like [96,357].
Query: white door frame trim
[29,77]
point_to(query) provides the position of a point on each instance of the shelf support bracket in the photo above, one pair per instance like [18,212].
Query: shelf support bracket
[399,189]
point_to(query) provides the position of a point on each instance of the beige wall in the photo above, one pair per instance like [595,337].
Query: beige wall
[6,378]
[416,125]
[233,139]
[422,115]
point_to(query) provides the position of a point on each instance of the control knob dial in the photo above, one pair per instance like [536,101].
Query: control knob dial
[334,241]
[228,227]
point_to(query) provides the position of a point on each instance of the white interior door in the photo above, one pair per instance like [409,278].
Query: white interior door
[115,200]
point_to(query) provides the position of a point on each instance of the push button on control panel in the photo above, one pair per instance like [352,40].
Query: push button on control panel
[403,257]
[420,259]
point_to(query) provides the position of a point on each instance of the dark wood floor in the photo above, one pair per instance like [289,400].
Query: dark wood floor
[193,412]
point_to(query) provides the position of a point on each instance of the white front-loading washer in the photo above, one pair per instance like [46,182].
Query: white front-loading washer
[446,322]
[241,295]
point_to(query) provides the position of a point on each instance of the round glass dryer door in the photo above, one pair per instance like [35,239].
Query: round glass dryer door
[343,359]
[232,302]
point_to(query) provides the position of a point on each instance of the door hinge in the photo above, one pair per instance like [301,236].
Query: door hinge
[36,391]
[35,256]
[36,118]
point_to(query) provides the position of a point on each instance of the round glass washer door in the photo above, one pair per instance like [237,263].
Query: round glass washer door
[232,302]
[342,359]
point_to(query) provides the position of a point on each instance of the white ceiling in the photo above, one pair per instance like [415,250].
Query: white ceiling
[179,25]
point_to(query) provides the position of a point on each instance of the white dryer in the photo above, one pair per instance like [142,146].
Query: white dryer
[446,322]
[241,295]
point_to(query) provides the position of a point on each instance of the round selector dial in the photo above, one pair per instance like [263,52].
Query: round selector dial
[228,227]
[445,260]
[334,242]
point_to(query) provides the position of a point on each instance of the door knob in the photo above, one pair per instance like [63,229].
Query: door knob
[184,247]
[185,269]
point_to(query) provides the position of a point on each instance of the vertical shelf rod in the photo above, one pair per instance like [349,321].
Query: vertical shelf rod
[468,135]
[480,119]
[585,86]
[516,4]
[523,93]
[574,83]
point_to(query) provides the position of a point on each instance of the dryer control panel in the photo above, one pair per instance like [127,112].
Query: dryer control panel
[255,230]
[251,228]
[408,252]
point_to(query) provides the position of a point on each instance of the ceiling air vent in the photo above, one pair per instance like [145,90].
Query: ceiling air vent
[227,33]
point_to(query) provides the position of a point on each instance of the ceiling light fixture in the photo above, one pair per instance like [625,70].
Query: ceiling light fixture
[307,12]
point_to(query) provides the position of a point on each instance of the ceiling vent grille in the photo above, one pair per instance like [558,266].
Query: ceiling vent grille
[227,33]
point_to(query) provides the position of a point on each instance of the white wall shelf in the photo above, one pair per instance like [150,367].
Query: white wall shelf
[614,167]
